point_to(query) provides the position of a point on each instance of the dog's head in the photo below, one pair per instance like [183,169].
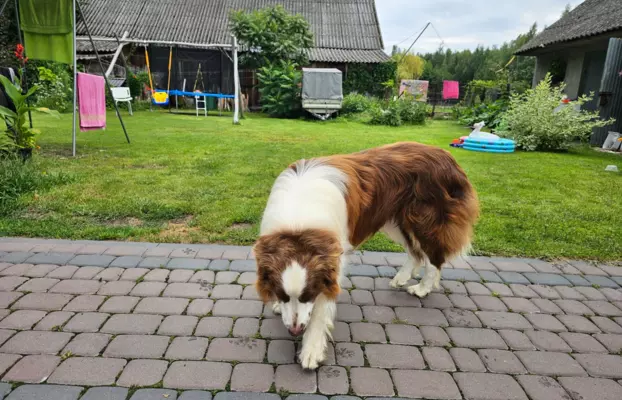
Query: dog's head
[294,269]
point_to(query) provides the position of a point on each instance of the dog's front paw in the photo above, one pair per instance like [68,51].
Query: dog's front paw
[311,358]
[398,281]
[418,290]
[276,308]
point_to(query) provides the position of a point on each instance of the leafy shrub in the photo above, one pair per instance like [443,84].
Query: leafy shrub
[18,179]
[412,112]
[398,112]
[279,86]
[534,121]
[389,115]
[490,113]
[54,89]
[355,103]
[136,82]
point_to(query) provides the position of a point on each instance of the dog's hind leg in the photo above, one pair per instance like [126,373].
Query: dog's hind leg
[411,267]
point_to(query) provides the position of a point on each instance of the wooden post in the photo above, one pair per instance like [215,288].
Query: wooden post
[236,83]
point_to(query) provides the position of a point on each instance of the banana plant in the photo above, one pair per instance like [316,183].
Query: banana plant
[20,135]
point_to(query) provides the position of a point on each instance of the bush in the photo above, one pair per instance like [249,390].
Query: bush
[355,103]
[54,88]
[398,112]
[490,113]
[412,112]
[136,83]
[279,86]
[534,121]
[389,115]
[370,79]
[18,178]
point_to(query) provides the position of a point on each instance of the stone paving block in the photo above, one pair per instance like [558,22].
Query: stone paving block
[467,360]
[520,290]
[591,389]
[513,277]
[333,380]
[42,301]
[85,303]
[516,340]
[250,293]
[394,356]
[490,276]
[476,289]
[87,344]
[243,266]
[368,332]
[292,378]
[237,308]
[178,325]
[601,365]
[582,343]
[225,277]
[38,285]
[236,253]
[542,388]
[185,252]
[200,307]
[513,265]
[142,373]
[569,293]
[479,386]
[203,277]
[16,247]
[546,306]
[247,278]
[188,290]
[36,342]
[91,260]
[603,308]
[460,275]
[539,278]
[573,307]
[227,291]
[363,282]
[246,327]
[90,249]
[180,275]
[137,346]
[5,334]
[546,322]
[53,321]
[119,304]
[371,382]
[125,251]
[187,348]
[543,266]
[214,327]
[110,274]
[425,385]
[148,288]
[349,354]
[380,314]
[281,352]
[607,325]
[577,323]
[591,293]
[16,270]
[154,394]
[116,288]
[612,342]
[436,300]
[8,283]
[476,338]
[87,371]
[15,257]
[601,281]
[6,362]
[236,349]
[219,265]
[40,270]
[87,272]
[22,319]
[197,375]
[363,270]
[550,363]
[361,297]
[612,294]
[395,299]
[434,336]
[453,287]
[520,305]
[489,303]
[161,305]
[76,286]
[463,263]
[462,302]
[501,361]
[126,262]
[464,318]
[187,263]
[548,341]
[32,369]
[349,313]
[373,258]
[256,378]
[499,289]
[134,274]
[86,322]
[404,334]
[421,316]
[586,268]
[503,320]
[154,262]
[438,359]
[385,271]
[132,323]
[273,328]
[105,393]
[577,280]
[45,392]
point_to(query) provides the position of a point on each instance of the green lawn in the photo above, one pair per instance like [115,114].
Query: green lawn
[188,179]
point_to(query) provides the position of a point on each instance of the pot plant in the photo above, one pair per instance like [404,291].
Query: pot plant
[21,137]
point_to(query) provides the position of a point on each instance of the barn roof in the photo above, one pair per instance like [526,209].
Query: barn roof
[344,30]
[590,18]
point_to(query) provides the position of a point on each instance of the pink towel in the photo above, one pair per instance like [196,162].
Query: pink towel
[92,97]
[451,90]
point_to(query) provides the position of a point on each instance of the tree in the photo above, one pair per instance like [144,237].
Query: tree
[409,66]
[566,11]
[272,35]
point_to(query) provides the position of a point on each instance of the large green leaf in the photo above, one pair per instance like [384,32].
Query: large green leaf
[5,112]
[13,92]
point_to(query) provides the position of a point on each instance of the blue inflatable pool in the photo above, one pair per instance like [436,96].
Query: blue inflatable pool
[489,146]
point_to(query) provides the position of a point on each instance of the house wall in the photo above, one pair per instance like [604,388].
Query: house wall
[574,73]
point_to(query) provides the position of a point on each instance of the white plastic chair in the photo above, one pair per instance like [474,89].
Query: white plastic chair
[122,94]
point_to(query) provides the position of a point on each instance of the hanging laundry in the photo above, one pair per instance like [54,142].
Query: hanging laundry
[451,90]
[418,89]
[48,29]
[92,98]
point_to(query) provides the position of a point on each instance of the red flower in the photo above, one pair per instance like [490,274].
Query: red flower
[19,53]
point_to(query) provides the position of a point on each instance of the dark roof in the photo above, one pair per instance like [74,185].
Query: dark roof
[592,17]
[344,30]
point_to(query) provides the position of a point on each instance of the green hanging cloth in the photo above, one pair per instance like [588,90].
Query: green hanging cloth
[48,29]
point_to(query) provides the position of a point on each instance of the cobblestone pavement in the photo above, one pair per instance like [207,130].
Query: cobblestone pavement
[141,321]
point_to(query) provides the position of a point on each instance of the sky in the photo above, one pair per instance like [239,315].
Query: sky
[463,24]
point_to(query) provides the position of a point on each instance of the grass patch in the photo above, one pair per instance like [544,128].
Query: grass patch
[198,180]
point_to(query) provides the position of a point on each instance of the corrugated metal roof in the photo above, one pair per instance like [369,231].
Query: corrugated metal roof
[336,24]
[348,56]
[592,17]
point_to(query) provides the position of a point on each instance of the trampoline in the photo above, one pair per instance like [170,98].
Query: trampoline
[196,94]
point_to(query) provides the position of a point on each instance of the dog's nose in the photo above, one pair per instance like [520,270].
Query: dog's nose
[296,330]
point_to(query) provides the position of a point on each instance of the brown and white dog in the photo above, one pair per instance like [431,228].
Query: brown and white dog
[321,209]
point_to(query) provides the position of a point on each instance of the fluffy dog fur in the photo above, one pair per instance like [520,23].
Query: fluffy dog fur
[321,209]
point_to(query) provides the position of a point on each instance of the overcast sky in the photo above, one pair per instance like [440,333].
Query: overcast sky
[463,24]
